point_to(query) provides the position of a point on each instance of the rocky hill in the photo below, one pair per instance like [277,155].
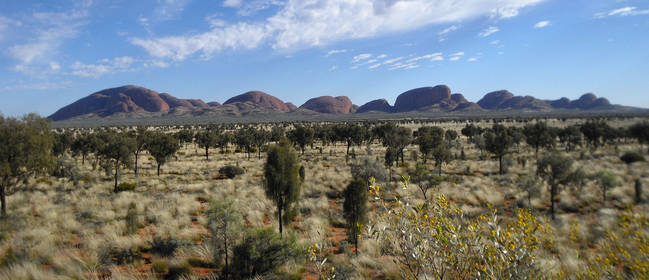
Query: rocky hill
[138,101]
[329,105]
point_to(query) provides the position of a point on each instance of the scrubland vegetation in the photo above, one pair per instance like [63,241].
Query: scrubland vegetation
[556,199]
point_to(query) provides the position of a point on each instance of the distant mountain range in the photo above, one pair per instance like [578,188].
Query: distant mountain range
[128,101]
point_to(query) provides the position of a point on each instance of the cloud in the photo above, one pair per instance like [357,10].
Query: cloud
[487,32]
[248,8]
[472,59]
[239,36]
[448,30]
[433,57]
[361,57]
[232,3]
[458,54]
[381,56]
[169,9]
[333,68]
[403,66]
[47,32]
[332,52]
[542,24]
[298,24]
[622,12]
[454,58]
[6,23]
[494,42]
[37,86]
[103,67]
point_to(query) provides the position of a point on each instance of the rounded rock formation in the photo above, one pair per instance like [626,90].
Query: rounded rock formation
[379,105]
[261,100]
[421,97]
[329,105]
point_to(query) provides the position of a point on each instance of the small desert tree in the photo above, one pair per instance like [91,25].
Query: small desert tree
[62,143]
[428,138]
[390,157]
[162,146]
[498,141]
[206,140]
[606,181]
[245,138]
[25,149]
[282,179]
[355,209]
[640,131]
[302,136]
[260,138]
[539,135]
[118,149]
[82,145]
[629,158]
[142,137]
[530,185]
[557,171]
[224,226]
[424,179]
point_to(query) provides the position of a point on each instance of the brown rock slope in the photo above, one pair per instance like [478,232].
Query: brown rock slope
[329,105]
[261,100]
[123,99]
[379,105]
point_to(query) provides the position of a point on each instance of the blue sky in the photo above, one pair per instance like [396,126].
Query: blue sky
[55,52]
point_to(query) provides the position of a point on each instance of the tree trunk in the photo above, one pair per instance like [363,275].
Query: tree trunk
[349,143]
[279,217]
[116,173]
[638,191]
[553,191]
[500,158]
[356,241]
[83,159]
[3,199]
[207,153]
[439,171]
[137,153]
[259,152]
[158,170]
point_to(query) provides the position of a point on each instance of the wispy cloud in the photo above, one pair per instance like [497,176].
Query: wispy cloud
[102,67]
[36,53]
[332,52]
[623,12]
[6,23]
[542,24]
[487,32]
[433,57]
[301,24]
[456,56]
[448,30]
[333,68]
[494,42]
[361,57]
[472,59]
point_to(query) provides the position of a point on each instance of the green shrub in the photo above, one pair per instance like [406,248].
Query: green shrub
[262,251]
[131,219]
[161,266]
[631,157]
[231,171]
[124,186]
[165,246]
[179,271]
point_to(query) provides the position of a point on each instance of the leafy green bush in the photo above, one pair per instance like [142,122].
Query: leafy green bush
[160,266]
[262,251]
[231,171]
[124,186]
[631,157]
[165,246]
